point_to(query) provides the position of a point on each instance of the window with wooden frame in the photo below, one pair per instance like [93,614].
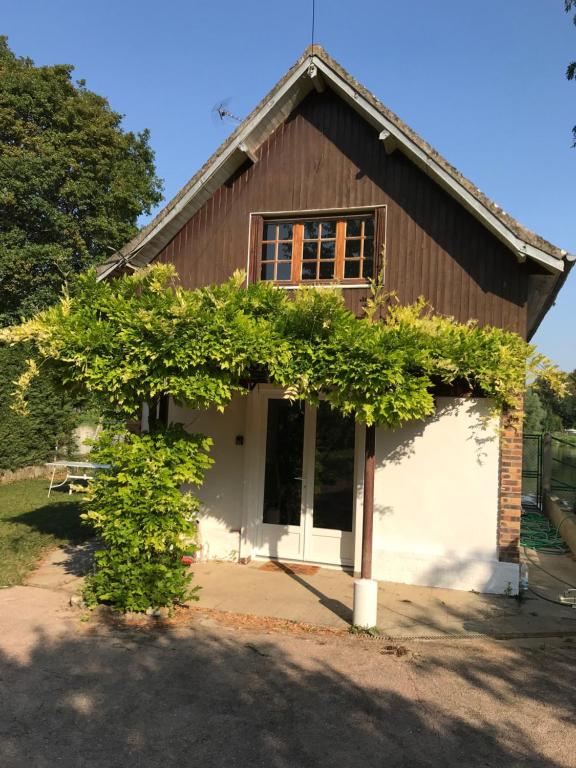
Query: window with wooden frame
[317,249]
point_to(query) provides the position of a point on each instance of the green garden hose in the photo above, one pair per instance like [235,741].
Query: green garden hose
[537,532]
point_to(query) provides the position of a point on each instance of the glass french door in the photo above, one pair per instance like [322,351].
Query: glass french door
[308,484]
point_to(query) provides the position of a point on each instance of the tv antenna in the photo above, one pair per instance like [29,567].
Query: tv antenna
[313,26]
[221,111]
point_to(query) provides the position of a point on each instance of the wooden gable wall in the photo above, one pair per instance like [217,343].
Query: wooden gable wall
[326,156]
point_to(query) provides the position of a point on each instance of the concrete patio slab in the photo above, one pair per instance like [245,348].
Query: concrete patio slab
[325,598]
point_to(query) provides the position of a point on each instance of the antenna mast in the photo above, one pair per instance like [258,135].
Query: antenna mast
[313,24]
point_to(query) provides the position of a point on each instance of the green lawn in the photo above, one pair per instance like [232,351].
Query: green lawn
[30,523]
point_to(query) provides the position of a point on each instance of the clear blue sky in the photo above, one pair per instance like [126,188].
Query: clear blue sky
[482,82]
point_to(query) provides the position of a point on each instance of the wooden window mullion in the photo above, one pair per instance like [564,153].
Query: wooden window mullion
[297,240]
[340,250]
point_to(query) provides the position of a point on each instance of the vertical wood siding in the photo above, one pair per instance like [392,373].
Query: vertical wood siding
[327,156]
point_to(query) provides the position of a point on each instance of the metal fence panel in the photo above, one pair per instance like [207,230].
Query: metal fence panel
[532,471]
[563,476]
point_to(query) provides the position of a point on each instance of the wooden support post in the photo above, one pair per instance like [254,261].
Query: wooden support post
[368,516]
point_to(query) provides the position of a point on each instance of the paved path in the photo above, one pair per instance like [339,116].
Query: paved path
[85,695]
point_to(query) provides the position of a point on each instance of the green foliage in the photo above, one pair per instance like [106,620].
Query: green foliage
[144,521]
[73,182]
[31,438]
[534,413]
[354,629]
[559,408]
[141,336]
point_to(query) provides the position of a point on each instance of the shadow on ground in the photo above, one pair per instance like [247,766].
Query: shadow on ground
[59,518]
[337,607]
[215,698]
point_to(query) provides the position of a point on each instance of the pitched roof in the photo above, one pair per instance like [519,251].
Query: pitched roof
[316,69]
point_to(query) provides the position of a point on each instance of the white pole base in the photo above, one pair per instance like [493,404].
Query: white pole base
[365,612]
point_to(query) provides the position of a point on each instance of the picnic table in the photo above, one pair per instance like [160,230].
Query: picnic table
[73,472]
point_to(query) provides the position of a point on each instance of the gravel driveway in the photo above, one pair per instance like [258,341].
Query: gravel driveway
[86,694]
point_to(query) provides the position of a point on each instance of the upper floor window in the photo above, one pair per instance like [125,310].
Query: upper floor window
[316,249]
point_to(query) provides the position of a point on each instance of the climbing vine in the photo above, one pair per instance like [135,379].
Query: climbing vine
[136,338]
[129,340]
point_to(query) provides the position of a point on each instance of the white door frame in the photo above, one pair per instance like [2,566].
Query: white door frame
[303,542]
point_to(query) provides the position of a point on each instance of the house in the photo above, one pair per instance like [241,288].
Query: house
[322,184]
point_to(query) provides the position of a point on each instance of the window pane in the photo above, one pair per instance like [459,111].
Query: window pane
[352,269]
[285,251]
[310,251]
[283,473]
[369,227]
[309,270]
[269,232]
[353,249]
[368,249]
[268,252]
[310,230]
[334,470]
[327,250]
[353,227]
[267,272]
[284,270]
[368,268]
[285,232]
[328,229]
[326,270]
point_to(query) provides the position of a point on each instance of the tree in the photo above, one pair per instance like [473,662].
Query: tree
[32,438]
[534,413]
[559,409]
[72,182]
[570,5]
[72,185]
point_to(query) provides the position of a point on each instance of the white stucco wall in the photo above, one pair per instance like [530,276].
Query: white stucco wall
[221,495]
[436,502]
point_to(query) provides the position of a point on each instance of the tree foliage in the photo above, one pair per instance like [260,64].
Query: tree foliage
[73,182]
[534,413]
[31,438]
[559,409]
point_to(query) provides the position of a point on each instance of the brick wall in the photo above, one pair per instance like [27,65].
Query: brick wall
[510,489]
